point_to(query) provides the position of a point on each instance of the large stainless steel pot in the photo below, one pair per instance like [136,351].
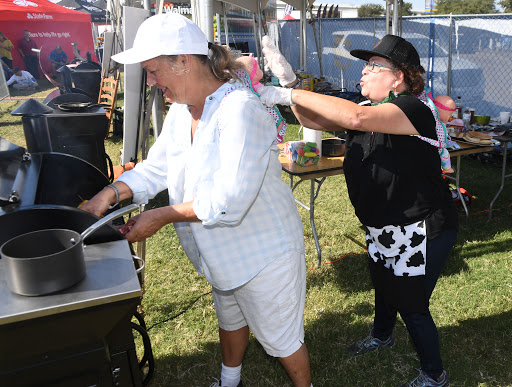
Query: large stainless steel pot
[48,261]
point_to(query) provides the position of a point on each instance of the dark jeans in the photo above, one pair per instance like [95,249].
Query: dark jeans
[421,326]
[32,65]
[7,61]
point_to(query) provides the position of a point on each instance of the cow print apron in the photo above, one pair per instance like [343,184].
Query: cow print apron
[402,249]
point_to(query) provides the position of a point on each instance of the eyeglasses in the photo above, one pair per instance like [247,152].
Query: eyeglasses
[375,67]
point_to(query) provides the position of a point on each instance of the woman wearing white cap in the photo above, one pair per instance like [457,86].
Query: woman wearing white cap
[236,219]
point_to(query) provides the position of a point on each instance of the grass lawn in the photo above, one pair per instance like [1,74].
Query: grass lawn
[472,303]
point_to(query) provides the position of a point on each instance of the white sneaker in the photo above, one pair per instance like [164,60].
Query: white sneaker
[218,383]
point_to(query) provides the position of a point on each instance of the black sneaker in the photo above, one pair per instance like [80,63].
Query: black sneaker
[423,380]
[369,343]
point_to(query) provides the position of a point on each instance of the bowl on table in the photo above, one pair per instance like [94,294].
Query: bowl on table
[484,120]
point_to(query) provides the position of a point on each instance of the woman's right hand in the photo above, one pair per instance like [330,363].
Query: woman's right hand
[99,202]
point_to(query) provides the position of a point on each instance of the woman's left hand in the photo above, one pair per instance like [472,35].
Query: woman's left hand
[277,62]
[143,226]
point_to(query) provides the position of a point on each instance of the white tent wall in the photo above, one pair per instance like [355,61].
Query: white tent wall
[134,92]
[4,89]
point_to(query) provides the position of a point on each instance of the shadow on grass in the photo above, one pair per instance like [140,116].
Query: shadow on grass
[475,352]
[5,124]
[350,274]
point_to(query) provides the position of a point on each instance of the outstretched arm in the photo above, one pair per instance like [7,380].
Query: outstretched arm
[325,112]
[322,112]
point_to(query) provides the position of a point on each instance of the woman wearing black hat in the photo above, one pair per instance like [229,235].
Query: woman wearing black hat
[393,175]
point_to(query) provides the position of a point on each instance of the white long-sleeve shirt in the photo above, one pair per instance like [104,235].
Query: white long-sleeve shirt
[232,174]
[24,79]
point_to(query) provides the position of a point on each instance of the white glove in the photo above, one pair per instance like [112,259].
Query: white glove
[272,95]
[277,62]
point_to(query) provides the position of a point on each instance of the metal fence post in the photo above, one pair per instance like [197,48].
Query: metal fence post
[450,43]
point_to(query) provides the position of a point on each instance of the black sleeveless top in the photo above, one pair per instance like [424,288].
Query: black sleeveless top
[397,179]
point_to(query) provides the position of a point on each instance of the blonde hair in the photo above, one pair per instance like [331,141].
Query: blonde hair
[221,63]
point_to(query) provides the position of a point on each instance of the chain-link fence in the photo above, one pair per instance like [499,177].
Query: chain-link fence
[479,68]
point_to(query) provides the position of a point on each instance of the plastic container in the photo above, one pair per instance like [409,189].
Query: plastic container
[466,118]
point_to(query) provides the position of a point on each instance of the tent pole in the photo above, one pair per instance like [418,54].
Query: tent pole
[195,11]
[255,28]
[217,28]
[225,23]
[259,35]
[388,15]
[303,24]
[401,16]
[395,17]
[206,18]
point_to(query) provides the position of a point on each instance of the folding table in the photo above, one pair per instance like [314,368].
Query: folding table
[316,174]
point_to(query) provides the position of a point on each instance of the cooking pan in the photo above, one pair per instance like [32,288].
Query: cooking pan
[333,147]
[78,106]
[48,261]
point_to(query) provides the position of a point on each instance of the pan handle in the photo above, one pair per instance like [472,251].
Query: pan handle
[142,264]
[108,218]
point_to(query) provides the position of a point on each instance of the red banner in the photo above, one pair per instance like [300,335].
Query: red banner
[49,25]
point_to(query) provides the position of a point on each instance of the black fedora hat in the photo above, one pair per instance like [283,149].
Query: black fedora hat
[393,48]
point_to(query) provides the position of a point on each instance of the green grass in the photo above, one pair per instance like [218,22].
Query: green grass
[472,303]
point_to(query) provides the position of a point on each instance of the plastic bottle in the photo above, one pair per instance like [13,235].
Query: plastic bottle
[466,117]
[459,106]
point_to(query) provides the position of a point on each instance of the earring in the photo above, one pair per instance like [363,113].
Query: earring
[395,93]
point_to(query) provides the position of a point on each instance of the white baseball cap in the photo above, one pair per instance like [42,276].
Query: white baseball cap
[164,34]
